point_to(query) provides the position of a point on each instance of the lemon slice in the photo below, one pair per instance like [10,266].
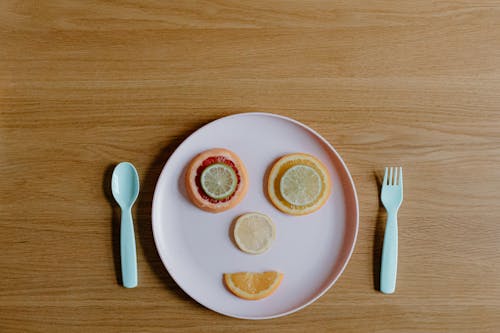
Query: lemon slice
[301,185]
[298,184]
[254,233]
[219,181]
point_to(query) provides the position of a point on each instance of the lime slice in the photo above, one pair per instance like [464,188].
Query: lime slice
[254,233]
[300,185]
[219,181]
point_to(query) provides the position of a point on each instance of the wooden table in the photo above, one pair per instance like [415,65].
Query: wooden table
[86,85]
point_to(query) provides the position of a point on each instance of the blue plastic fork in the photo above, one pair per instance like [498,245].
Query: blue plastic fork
[392,197]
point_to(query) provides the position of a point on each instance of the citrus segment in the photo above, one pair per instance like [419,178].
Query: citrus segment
[219,181]
[254,233]
[298,184]
[253,286]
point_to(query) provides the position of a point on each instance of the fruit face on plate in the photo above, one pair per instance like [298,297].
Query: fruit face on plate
[216,180]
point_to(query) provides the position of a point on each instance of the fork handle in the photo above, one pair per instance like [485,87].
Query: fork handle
[389,267]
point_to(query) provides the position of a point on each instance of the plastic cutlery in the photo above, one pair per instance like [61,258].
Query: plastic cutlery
[392,197]
[125,188]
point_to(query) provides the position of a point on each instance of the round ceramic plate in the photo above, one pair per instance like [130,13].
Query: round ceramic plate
[196,248]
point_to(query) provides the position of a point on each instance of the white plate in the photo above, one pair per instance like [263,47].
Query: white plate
[311,250]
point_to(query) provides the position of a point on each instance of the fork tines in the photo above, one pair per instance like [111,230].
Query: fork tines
[393,181]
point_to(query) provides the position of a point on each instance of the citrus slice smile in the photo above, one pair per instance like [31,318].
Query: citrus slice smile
[253,286]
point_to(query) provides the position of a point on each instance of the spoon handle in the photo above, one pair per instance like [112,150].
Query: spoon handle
[127,250]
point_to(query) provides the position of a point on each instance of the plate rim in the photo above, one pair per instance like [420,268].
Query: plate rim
[316,135]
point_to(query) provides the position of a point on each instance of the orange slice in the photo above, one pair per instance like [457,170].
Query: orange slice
[298,184]
[253,286]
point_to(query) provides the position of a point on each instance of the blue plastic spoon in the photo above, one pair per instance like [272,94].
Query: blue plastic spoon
[125,187]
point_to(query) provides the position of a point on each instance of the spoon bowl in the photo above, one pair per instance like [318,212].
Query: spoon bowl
[125,184]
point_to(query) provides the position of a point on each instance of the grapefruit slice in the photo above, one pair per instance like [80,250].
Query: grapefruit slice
[216,180]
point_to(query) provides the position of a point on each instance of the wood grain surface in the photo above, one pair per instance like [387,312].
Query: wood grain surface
[86,84]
